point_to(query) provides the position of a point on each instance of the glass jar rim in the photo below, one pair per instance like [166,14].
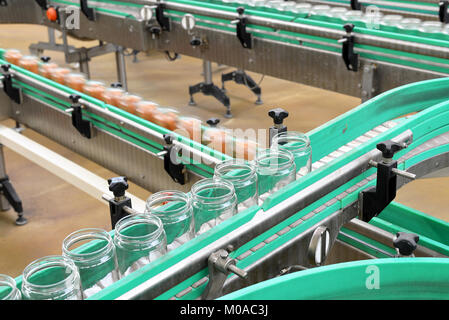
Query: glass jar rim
[45,262]
[134,219]
[168,195]
[8,281]
[211,183]
[86,234]
[294,135]
[235,164]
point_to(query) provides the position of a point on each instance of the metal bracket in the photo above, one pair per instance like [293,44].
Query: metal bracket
[83,126]
[442,12]
[88,12]
[368,82]
[42,4]
[15,94]
[350,58]
[176,170]
[245,38]
[355,5]
[278,115]
[7,189]
[163,21]
[220,265]
[119,205]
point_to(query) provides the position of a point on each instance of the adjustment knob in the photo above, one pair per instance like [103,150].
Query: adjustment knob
[389,148]
[116,85]
[240,10]
[52,14]
[348,27]
[155,30]
[213,122]
[406,243]
[75,98]
[118,185]
[278,115]
[45,59]
[195,42]
[6,67]
[168,138]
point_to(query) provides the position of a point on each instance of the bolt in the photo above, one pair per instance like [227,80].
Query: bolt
[224,254]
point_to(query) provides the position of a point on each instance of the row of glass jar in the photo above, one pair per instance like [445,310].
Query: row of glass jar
[171,219]
[215,137]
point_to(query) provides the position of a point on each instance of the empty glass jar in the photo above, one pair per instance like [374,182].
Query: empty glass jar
[213,201]
[8,288]
[174,208]
[139,239]
[51,278]
[244,178]
[299,145]
[96,261]
[275,169]
[410,25]
[431,27]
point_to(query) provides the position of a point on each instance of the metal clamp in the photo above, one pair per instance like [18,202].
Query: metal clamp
[83,126]
[374,199]
[278,115]
[172,165]
[15,94]
[88,12]
[119,205]
[245,38]
[220,265]
[350,58]
[163,21]
[442,12]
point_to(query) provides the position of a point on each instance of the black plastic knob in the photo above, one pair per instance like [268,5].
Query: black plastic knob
[75,98]
[278,115]
[118,185]
[406,243]
[389,148]
[5,67]
[168,138]
[155,30]
[213,122]
[116,85]
[240,10]
[45,59]
[348,27]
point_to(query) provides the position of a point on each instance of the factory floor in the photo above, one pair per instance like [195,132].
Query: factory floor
[55,208]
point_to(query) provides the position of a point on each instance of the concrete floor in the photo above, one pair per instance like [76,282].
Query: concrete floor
[55,208]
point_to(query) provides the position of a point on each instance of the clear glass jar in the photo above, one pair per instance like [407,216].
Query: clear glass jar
[303,9]
[372,19]
[58,74]
[336,12]
[97,263]
[353,16]
[410,24]
[95,89]
[319,10]
[128,102]
[174,208]
[30,63]
[13,56]
[391,20]
[51,278]
[139,240]
[257,3]
[166,118]
[76,81]
[8,288]
[146,109]
[213,201]
[275,169]
[273,4]
[190,127]
[431,27]
[287,6]
[243,176]
[299,145]
[112,96]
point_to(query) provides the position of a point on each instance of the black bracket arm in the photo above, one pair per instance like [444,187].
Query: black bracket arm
[374,199]
[245,38]
[163,21]
[15,94]
[442,12]
[172,165]
[42,4]
[355,5]
[118,185]
[88,12]
[350,58]
[83,126]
